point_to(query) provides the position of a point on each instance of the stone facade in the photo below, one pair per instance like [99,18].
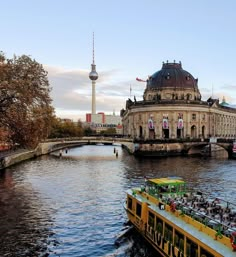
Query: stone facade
[172,108]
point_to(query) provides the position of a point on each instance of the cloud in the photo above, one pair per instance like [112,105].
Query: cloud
[229,87]
[72,89]
[225,91]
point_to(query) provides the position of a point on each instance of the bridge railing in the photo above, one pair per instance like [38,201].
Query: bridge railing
[169,140]
[97,137]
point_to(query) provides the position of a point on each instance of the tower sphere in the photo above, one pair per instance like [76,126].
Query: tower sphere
[93,75]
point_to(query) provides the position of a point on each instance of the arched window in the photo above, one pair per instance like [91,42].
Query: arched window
[193,131]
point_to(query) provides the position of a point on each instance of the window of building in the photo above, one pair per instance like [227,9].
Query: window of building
[203,252]
[194,116]
[138,209]
[191,248]
[168,235]
[151,218]
[167,76]
[179,240]
[130,203]
[159,225]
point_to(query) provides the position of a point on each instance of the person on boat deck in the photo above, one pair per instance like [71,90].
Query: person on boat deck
[213,204]
[163,189]
[145,180]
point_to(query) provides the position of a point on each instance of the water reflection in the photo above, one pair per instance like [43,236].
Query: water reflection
[72,206]
[24,224]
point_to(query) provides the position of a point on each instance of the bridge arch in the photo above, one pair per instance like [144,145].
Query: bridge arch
[206,148]
[195,149]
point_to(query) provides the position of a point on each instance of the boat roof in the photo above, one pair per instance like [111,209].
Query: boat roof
[167,181]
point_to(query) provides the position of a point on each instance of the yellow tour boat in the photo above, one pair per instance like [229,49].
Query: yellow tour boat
[181,223]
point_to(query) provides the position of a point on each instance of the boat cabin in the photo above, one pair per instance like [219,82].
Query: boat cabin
[165,187]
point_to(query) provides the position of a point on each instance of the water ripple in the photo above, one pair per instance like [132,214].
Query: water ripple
[72,206]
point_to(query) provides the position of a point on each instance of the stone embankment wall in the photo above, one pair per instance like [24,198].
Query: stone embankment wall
[14,157]
[159,150]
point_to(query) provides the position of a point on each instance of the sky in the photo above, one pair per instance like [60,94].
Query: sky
[131,39]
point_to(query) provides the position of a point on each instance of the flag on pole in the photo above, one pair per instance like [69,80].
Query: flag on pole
[140,80]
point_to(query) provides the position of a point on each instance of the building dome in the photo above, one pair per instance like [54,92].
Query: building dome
[172,82]
[172,75]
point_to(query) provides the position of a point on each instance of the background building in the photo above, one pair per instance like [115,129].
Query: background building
[101,122]
[172,108]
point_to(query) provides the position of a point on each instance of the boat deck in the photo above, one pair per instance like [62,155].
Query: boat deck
[214,244]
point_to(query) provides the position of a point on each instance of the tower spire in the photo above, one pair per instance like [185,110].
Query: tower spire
[93,76]
[93,47]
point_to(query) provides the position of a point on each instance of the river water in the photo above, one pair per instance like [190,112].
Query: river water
[72,206]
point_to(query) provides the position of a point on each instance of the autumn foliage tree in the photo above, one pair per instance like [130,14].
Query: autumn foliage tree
[26,112]
[63,129]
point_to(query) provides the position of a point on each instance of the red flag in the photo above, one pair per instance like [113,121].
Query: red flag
[140,80]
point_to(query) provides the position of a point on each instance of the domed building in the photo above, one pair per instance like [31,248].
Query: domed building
[172,108]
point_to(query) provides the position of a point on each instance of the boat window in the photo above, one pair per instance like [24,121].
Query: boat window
[151,219]
[164,189]
[152,189]
[173,189]
[191,248]
[159,225]
[130,203]
[168,235]
[204,253]
[179,240]
[182,188]
[138,209]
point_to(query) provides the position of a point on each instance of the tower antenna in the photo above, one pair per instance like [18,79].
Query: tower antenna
[93,47]
[93,76]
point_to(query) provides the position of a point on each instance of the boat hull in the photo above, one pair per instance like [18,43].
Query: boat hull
[161,244]
[184,236]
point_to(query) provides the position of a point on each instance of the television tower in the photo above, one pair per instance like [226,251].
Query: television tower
[93,76]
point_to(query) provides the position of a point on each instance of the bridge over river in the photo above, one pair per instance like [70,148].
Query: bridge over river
[158,147]
[57,144]
[140,148]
